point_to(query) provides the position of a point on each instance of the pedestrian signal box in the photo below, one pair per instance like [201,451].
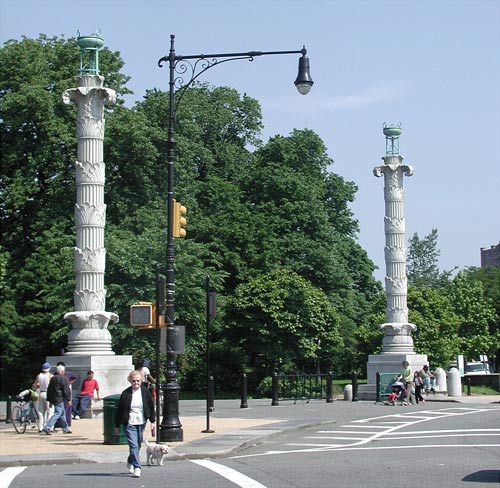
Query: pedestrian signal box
[143,315]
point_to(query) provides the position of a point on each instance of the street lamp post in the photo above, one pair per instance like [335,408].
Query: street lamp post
[171,427]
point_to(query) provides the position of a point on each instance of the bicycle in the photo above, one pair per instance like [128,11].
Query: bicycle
[24,414]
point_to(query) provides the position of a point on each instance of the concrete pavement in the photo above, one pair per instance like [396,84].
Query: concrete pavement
[235,429]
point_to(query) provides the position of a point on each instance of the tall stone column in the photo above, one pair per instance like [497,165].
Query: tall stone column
[397,343]
[90,320]
[397,329]
[89,341]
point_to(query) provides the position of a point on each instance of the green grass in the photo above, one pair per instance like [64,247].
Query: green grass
[481,390]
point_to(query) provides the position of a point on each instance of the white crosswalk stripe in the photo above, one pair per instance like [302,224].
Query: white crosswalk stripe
[358,434]
[8,475]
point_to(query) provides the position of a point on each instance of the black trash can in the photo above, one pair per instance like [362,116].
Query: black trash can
[110,406]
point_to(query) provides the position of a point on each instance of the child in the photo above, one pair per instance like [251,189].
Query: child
[397,394]
[419,384]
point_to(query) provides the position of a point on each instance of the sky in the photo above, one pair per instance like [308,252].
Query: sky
[432,66]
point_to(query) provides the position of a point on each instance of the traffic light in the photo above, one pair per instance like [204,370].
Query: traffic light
[143,316]
[179,221]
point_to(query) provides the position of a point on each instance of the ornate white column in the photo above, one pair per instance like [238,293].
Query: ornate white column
[89,319]
[397,329]
[397,344]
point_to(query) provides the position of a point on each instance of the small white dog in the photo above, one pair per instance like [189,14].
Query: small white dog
[155,452]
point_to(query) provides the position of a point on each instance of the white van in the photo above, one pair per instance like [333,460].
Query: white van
[477,367]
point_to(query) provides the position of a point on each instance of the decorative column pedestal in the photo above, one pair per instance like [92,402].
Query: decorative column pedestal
[397,344]
[89,341]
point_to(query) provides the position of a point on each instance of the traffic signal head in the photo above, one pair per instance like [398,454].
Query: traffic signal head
[179,221]
[141,315]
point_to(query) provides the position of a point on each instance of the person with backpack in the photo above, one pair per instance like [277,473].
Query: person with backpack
[41,384]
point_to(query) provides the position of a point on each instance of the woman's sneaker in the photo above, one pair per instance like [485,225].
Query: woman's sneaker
[130,468]
[137,473]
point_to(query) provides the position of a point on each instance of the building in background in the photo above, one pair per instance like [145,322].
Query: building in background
[491,256]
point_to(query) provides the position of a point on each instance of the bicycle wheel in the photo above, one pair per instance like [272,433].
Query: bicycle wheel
[18,420]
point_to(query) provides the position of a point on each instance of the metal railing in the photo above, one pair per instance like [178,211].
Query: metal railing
[303,387]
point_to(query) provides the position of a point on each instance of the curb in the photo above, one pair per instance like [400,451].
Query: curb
[221,445]
[198,449]
[251,440]
[42,459]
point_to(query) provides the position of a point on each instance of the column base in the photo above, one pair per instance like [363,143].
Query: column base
[111,373]
[387,363]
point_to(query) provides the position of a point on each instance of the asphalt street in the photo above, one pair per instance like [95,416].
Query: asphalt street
[440,443]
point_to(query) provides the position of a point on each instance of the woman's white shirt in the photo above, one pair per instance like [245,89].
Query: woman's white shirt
[136,416]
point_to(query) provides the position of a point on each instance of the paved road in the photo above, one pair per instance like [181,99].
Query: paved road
[448,446]
[441,444]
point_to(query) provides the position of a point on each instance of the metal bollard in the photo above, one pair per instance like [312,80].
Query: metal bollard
[275,401]
[244,393]
[354,386]
[211,394]
[8,413]
[210,402]
[329,388]
[377,381]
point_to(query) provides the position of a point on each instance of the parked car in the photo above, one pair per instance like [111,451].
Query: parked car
[477,367]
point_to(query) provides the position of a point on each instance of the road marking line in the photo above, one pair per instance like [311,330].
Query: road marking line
[359,448]
[230,474]
[335,437]
[344,432]
[453,431]
[305,444]
[426,446]
[8,474]
[390,431]
[452,411]
[388,438]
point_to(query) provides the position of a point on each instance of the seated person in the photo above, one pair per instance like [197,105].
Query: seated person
[86,394]
[428,379]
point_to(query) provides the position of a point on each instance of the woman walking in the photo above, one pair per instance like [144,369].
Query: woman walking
[41,384]
[135,408]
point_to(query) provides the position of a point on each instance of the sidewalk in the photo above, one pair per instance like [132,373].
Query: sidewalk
[234,428]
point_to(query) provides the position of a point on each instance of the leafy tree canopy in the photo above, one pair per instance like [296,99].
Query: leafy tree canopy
[270,223]
[422,262]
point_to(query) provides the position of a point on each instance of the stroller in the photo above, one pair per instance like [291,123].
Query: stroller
[396,397]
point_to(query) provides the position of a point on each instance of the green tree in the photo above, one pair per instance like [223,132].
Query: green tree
[422,262]
[252,213]
[303,223]
[476,314]
[489,276]
[437,323]
[277,320]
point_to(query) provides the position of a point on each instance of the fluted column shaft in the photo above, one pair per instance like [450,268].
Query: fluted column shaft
[90,320]
[397,329]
